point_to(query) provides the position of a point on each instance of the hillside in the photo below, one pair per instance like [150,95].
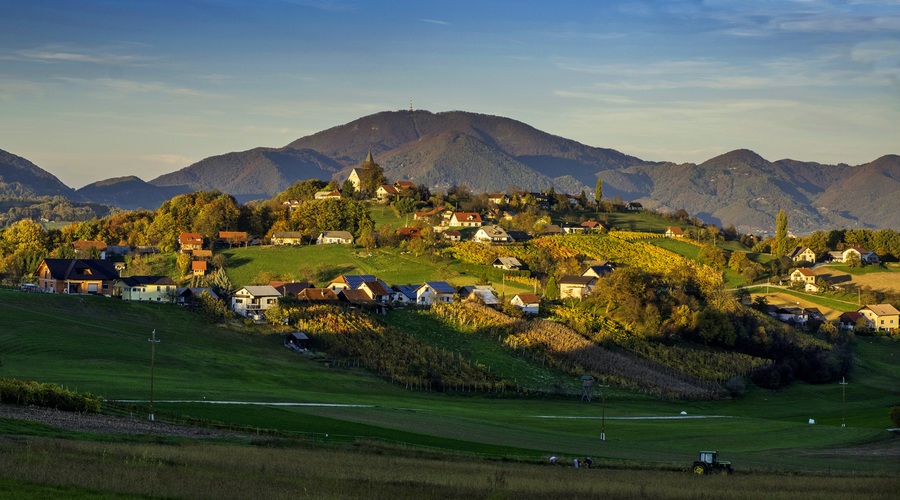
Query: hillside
[491,153]
[20,178]
[130,193]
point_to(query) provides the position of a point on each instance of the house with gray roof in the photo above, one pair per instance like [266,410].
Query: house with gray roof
[252,301]
[434,291]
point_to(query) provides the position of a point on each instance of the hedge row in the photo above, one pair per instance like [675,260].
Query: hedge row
[31,393]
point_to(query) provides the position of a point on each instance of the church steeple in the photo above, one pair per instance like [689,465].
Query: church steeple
[369,159]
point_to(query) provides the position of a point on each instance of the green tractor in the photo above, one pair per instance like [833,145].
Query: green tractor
[709,462]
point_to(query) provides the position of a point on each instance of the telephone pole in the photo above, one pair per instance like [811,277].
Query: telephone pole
[603,411]
[843,383]
[153,341]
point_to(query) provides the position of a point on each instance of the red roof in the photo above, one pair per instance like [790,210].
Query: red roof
[467,216]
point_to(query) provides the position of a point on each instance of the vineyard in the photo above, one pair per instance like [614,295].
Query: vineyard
[563,348]
[392,354]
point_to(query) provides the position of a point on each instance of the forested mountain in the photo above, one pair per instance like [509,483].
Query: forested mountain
[491,153]
[21,178]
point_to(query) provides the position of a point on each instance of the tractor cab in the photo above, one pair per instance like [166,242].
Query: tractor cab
[709,462]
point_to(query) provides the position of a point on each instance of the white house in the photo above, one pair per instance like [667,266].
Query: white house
[434,291]
[465,219]
[335,237]
[491,234]
[145,288]
[252,300]
[527,302]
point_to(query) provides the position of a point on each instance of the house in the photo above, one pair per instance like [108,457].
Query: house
[332,194]
[481,293]
[498,198]
[598,271]
[233,238]
[803,275]
[319,295]
[118,250]
[576,287]
[292,204]
[803,254]
[634,206]
[354,297]
[291,289]
[146,250]
[404,186]
[385,192]
[189,296]
[350,281]
[199,267]
[507,263]
[864,256]
[434,291]
[529,303]
[881,317]
[552,230]
[145,288]
[76,276]
[287,238]
[491,234]
[851,319]
[335,237]
[592,226]
[377,291]
[404,294]
[87,249]
[189,242]
[465,219]
[519,236]
[674,232]
[253,300]
[569,228]
[201,254]
[452,235]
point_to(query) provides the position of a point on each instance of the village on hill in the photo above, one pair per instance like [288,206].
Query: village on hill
[638,277]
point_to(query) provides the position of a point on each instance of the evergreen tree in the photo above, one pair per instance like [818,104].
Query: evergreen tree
[551,292]
[598,191]
[781,234]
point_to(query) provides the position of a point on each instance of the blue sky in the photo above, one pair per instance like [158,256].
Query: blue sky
[96,89]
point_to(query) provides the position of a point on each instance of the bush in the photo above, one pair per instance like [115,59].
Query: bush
[31,393]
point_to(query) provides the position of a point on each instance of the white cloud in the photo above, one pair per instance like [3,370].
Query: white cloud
[435,21]
[132,86]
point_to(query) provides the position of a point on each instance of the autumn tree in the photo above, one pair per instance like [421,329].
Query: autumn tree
[598,191]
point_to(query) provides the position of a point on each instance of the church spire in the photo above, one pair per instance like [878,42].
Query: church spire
[369,159]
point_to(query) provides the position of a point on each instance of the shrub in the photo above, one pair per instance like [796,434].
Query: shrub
[31,393]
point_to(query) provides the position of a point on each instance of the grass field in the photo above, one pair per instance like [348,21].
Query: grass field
[325,262]
[100,345]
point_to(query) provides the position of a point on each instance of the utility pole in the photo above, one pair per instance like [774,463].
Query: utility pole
[603,411]
[843,383]
[153,341]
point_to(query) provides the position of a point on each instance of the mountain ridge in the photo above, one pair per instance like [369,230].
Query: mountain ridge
[491,153]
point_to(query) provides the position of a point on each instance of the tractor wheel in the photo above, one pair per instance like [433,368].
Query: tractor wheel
[699,469]
[729,470]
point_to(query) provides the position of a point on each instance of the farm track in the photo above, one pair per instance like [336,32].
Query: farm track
[103,424]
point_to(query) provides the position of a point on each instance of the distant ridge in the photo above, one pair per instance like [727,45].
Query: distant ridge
[21,178]
[491,153]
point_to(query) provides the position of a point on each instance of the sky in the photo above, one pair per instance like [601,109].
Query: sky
[91,90]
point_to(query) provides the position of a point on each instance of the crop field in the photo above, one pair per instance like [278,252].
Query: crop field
[393,438]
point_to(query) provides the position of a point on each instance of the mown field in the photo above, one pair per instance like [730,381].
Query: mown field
[100,345]
[321,263]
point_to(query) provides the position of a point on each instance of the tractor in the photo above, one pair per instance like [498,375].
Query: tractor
[709,462]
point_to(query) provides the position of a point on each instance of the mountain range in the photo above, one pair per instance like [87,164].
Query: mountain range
[491,153]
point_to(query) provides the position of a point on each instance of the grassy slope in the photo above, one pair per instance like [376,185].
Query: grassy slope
[100,345]
[389,264]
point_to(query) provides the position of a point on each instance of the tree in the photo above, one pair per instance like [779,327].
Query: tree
[781,234]
[551,292]
[737,260]
[598,191]
[183,263]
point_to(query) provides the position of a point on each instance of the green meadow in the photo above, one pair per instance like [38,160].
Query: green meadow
[100,345]
[321,263]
